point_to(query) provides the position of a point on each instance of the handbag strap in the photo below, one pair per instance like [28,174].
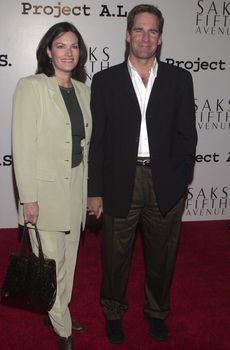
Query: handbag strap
[24,240]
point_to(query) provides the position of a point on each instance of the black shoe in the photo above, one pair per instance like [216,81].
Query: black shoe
[65,343]
[114,331]
[158,329]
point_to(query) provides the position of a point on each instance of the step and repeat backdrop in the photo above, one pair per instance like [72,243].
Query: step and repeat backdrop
[196,37]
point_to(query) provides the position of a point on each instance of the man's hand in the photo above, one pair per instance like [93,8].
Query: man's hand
[30,212]
[95,206]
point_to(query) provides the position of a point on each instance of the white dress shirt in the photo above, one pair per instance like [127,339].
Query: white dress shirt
[143,93]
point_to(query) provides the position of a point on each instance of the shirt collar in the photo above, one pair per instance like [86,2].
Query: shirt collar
[153,70]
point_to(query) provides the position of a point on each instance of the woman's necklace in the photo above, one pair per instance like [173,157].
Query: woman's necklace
[66,89]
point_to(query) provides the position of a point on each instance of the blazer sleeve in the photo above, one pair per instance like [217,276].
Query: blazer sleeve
[187,134]
[96,152]
[26,111]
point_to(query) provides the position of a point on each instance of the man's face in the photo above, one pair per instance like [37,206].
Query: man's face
[144,37]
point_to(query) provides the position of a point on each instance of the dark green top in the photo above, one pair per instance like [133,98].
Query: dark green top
[77,123]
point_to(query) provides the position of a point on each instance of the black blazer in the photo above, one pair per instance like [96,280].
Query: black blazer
[170,118]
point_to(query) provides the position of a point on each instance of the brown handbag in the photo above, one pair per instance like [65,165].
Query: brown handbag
[30,281]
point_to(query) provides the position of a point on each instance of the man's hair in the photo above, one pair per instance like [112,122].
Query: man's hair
[141,9]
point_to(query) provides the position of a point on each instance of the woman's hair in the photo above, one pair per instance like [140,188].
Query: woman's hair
[44,64]
[145,8]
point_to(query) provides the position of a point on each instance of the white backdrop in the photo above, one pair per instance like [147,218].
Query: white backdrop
[196,37]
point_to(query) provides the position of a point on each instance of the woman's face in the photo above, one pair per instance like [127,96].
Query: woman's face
[64,53]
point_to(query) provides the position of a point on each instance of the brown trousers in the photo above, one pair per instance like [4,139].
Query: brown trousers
[160,236]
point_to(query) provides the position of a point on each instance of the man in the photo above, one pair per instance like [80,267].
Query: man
[141,160]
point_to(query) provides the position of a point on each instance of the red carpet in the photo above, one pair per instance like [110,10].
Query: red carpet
[200,316]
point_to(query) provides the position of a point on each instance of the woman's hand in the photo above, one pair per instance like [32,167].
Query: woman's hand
[30,212]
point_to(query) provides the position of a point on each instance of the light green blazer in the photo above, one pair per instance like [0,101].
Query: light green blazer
[42,148]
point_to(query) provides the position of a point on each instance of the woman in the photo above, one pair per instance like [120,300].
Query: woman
[51,135]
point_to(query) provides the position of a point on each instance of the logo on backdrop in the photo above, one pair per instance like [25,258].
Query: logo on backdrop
[212,158]
[212,114]
[6,160]
[60,9]
[4,61]
[98,59]
[207,201]
[198,65]
[213,17]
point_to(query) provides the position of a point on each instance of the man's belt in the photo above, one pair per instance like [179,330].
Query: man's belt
[143,162]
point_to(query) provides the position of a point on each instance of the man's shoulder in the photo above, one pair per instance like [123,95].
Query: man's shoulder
[111,71]
[173,70]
